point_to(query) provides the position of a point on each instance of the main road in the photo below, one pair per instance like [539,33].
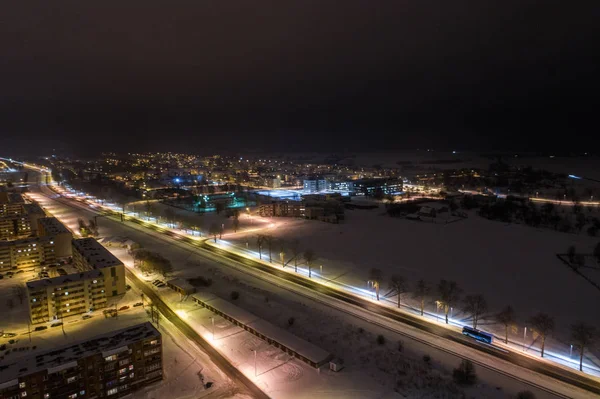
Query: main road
[339,296]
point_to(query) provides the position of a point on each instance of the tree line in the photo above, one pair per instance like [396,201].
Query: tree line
[450,295]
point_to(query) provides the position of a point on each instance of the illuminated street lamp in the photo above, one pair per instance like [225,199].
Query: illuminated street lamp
[212,319]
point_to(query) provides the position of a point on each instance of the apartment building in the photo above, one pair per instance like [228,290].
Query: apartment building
[65,296]
[89,254]
[13,227]
[62,236]
[27,252]
[111,365]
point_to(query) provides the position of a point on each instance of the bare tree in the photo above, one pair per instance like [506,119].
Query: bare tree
[296,253]
[507,318]
[214,231]
[583,335]
[476,306]
[260,239]
[282,244]
[376,275]
[449,294]
[421,292]
[236,222]
[398,284]
[543,324]
[19,292]
[269,240]
[309,257]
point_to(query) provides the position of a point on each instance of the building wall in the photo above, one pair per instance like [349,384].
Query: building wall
[27,253]
[93,376]
[60,301]
[62,241]
[114,276]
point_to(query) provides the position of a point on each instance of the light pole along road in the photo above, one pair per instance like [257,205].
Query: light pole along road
[236,375]
[556,372]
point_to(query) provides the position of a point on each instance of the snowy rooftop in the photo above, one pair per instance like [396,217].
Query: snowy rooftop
[60,280]
[53,226]
[270,331]
[95,254]
[33,209]
[25,241]
[63,357]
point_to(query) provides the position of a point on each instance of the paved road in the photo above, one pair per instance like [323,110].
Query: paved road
[559,373]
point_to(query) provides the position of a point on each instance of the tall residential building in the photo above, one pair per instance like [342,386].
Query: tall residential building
[111,365]
[88,254]
[62,235]
[314,185]
[64,296]
[27,252]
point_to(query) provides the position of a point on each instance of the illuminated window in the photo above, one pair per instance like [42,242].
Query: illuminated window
[22,385]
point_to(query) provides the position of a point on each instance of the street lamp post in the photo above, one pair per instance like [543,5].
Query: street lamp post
[524,334]
[571,351]
[212,319]
[255,373]
[321,272]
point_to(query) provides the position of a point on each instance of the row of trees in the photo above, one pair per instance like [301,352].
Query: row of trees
[450,294]
[86,230]
[149,262]
[308,256]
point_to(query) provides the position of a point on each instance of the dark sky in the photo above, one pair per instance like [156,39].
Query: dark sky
[299,75]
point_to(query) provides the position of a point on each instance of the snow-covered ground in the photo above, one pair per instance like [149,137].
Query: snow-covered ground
[367,364]
[509,264]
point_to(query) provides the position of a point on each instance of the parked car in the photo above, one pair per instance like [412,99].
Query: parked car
[40,328]
[10,274]
[20,271]
[135,305]
[123,308]
[1,276]
[60,323]
[86,316]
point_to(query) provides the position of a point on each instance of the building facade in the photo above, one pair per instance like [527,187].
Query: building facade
[314,185]
[13,227]
[62,236]
[28,252]
[89,254]
[110,365]
[65,296]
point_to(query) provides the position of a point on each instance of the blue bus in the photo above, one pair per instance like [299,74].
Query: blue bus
[478,335]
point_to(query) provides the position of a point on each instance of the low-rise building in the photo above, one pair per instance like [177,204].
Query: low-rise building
[65,296]
[62,235]
[89,254]
[112,365]
[27,252]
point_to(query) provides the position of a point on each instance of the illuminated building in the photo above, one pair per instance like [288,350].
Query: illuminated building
[62,235]
[65,296]
[27,252]
[112,365]
[88,254]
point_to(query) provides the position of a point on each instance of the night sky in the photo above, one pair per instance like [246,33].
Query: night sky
[299,75]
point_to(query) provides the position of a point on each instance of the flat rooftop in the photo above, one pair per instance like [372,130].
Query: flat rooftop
[66,356]
[285,338]
[25,241]
[61,280]
[96,255]
[53,226]
[33,208]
